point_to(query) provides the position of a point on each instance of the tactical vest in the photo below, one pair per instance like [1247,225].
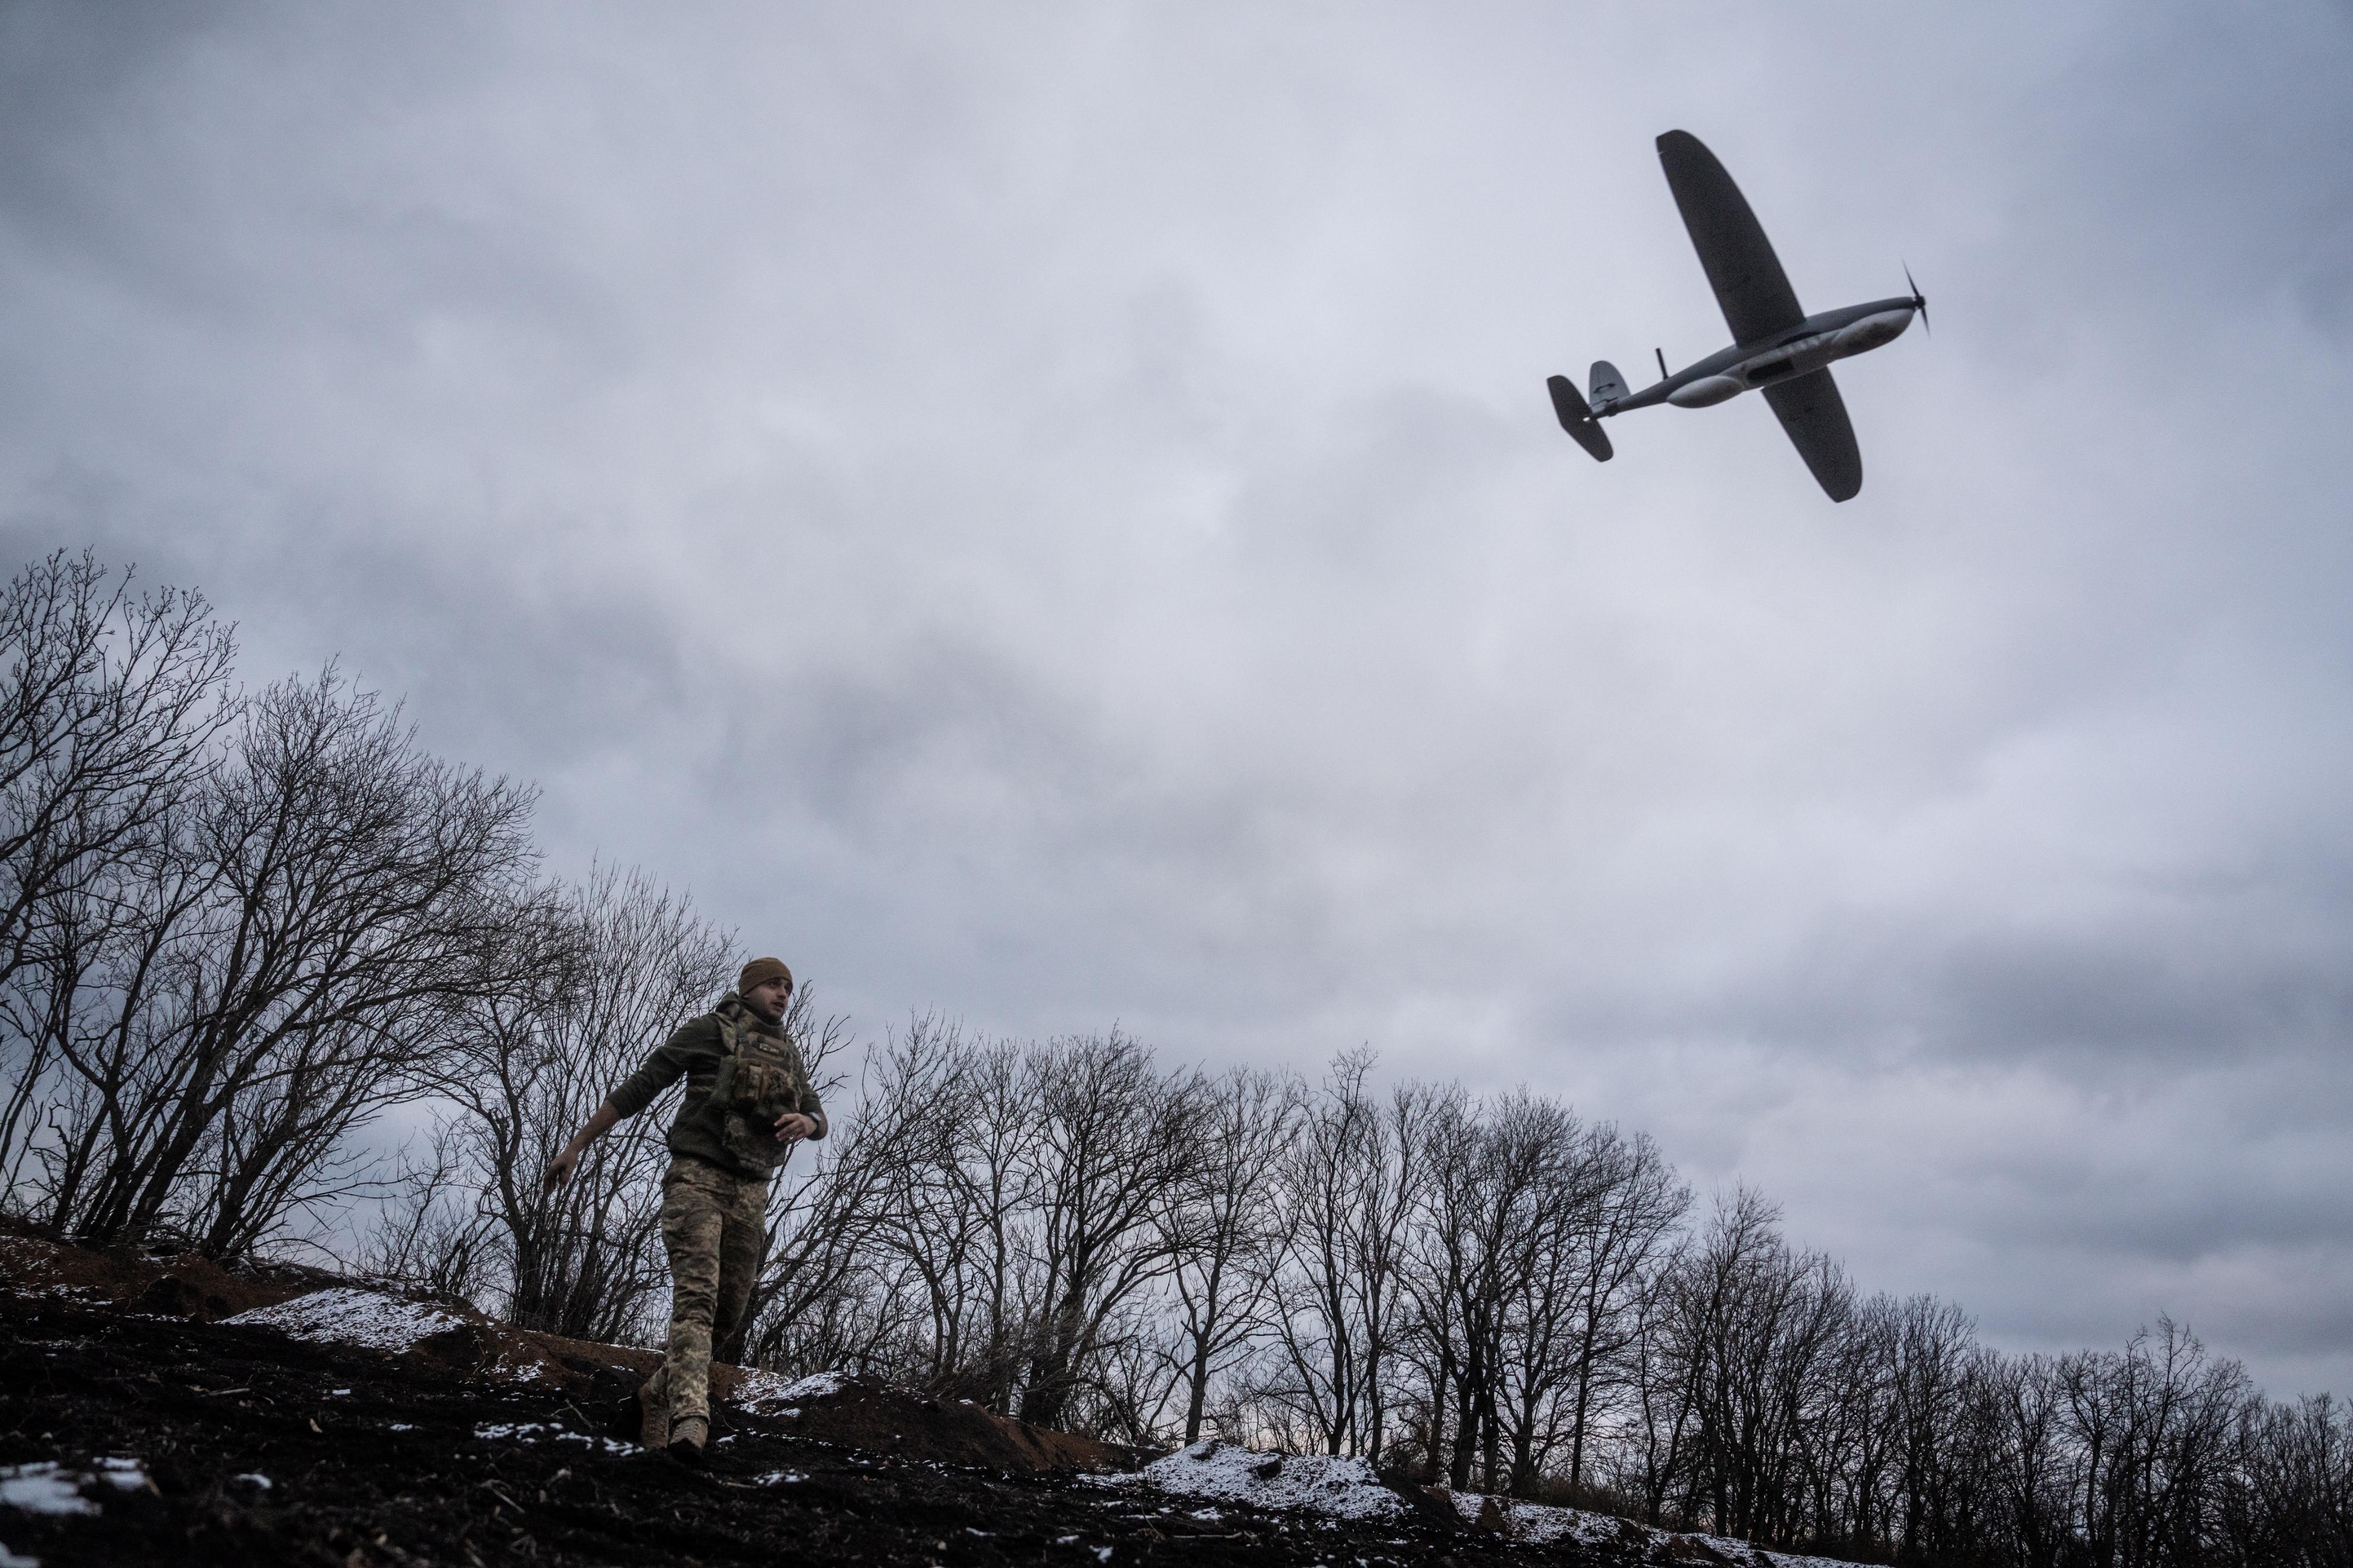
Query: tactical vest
[753,1087]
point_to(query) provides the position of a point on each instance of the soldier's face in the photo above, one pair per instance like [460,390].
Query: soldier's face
[767,998]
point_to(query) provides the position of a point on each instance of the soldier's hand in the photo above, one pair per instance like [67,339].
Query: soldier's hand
[560,1167]
[792,1127]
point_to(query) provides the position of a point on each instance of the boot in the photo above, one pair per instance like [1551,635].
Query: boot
[687,1436]
[653,1414]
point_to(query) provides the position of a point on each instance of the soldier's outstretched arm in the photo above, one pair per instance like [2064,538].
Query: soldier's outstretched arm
[599,1125]
[665,1067]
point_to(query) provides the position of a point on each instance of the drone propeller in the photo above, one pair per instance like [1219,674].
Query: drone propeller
[1919,300]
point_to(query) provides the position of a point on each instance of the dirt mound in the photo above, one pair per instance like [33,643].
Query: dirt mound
[190,1284]
[182,1285]
[567,1364]
[863,1414]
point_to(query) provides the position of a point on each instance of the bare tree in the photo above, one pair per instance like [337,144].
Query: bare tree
[1652,1460]
[1438,1276]
[1506,1196]
[1348,1190]
[944,1125]
[1544,1350]
[1111,1135]
[429,1232]
[1389,1182]
[1851,1450]
[1222,1230]
[2035,1480]
[1127,1384]
[1319,1371]
[1758,1322]
[109,712]
[2152,1426]
[1616,1245]
[613,966]
[286,964]
[1933,1343]
[2287,1495]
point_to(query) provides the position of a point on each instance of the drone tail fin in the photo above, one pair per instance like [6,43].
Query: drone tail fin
[1576,418]
[1608,387]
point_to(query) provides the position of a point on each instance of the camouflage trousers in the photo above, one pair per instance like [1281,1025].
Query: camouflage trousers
[715,1228]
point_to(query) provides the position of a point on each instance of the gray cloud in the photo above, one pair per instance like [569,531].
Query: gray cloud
[1054,516]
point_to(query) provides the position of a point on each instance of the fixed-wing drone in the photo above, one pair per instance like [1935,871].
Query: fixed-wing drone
[1776,346]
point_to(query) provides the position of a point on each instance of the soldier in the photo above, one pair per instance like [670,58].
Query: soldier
[748,1101]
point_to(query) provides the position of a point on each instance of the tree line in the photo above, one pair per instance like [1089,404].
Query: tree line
[237,930]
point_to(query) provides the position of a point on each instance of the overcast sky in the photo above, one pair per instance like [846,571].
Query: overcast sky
[1051,513]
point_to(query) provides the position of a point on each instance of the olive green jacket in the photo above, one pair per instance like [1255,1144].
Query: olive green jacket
[734,1129]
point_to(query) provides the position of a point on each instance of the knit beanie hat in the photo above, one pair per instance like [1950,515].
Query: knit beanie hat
[759,971]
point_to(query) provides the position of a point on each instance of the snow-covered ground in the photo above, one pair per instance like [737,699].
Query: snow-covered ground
[345,1315]
[543,1432]
[48,1486]
[768,1394]
[1222,1472]
[1541,1525]
[27,1266]
[377,1320]
[1347,1489]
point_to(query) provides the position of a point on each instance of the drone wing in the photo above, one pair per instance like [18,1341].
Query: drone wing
[1814,414]
[1741,267]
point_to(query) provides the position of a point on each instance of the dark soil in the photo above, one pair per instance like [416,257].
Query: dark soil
[409,1459]
[187,1285]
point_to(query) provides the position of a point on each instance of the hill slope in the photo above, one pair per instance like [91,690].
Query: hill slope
[138,1431]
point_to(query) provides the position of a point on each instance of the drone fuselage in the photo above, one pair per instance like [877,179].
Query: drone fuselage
[1816,342]
[1776,348]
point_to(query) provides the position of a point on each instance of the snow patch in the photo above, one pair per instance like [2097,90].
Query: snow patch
[74,1293]
[1221,1472]
[48,1486]
[1218,1471]
[1535,1524]
[765,1391]
[122,1475]
[540,1432]
[42,1488]
[255,1477]
[345,1315]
